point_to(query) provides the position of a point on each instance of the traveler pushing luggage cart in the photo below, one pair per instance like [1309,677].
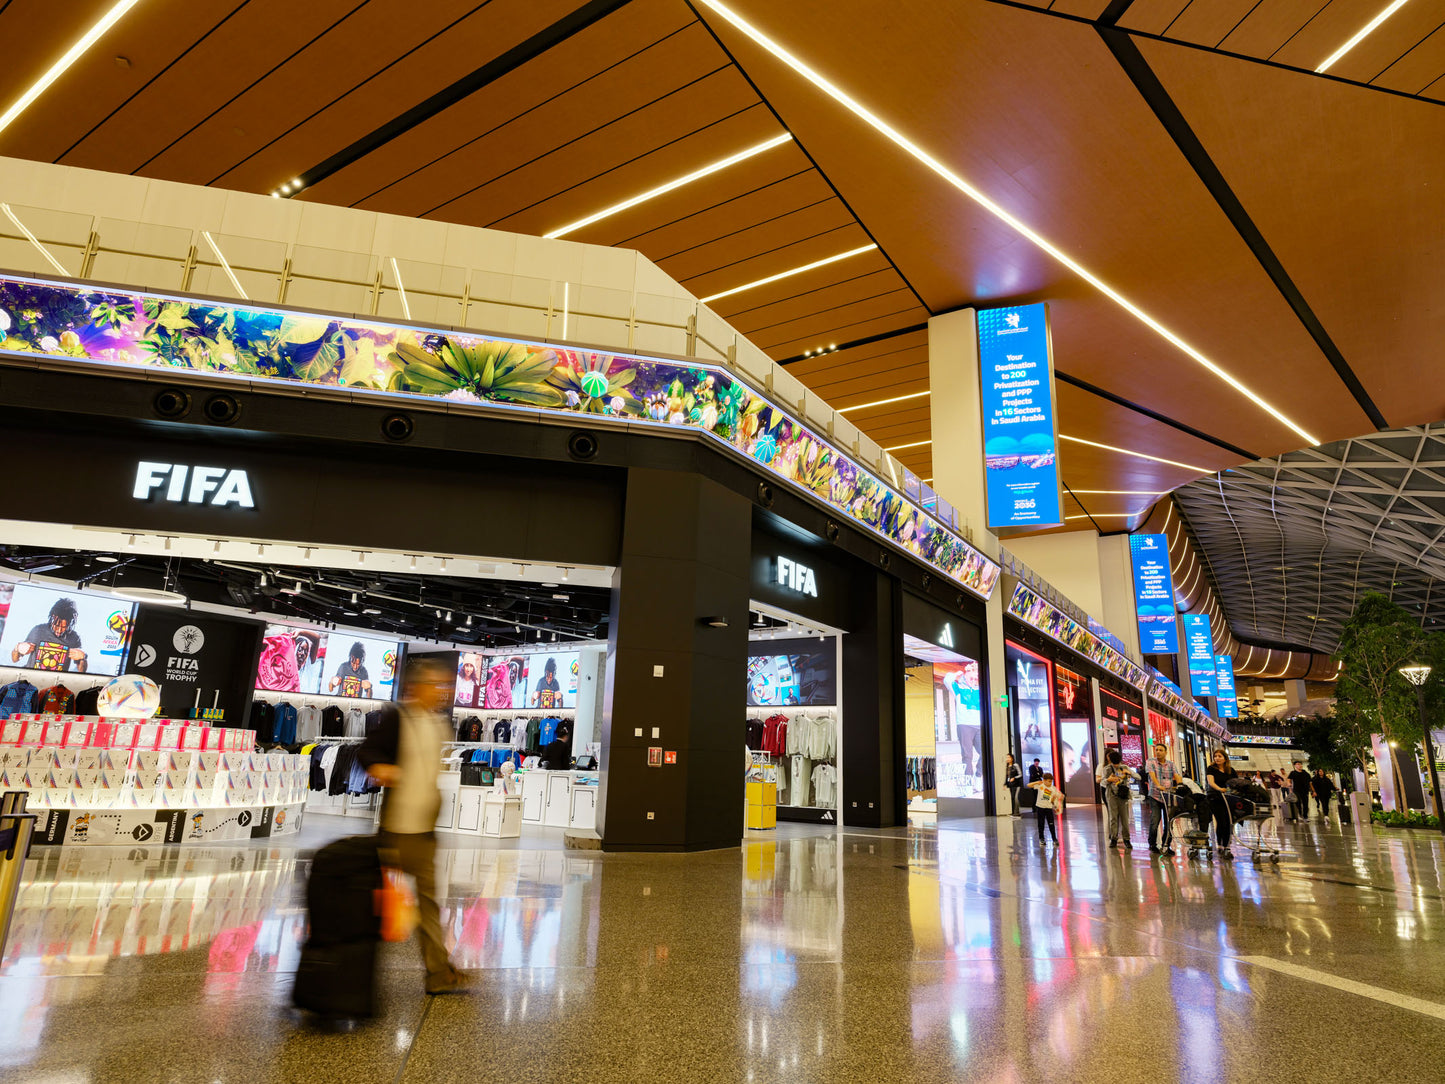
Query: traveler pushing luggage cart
[1254,822]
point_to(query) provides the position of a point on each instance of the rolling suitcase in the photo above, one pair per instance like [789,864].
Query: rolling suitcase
[336,978]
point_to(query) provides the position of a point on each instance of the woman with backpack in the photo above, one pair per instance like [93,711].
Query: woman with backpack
[1114,776]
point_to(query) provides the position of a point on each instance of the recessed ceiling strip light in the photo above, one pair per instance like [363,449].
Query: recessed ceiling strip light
[1366,31]
[1106,515]
[235,282]
[56,70]
[33,240]
[934,164]
[915,444]
[1138,455]
[882,402]
[789,274]
[678,182]
[1117,492]
[400,289]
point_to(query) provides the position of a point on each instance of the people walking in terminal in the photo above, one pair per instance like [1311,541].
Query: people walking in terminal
[1114,776]
[1324,789]
[1163,778]
[403,754]
[1050,799]
[1013,779]
[1217,778]
[1036,772]
[1299,780]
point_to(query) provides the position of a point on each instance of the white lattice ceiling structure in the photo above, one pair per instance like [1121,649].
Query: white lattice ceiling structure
[1293,542]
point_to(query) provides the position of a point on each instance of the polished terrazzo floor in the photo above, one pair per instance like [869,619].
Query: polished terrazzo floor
[962,953]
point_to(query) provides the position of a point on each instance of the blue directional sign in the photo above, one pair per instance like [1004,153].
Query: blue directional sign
[1020,446]
[1199,644]
[1227,701]
[1153,594]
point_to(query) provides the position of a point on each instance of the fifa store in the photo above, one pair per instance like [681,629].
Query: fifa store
[639,569]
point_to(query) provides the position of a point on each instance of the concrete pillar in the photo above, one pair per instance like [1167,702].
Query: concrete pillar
[957,417]
[1294,692]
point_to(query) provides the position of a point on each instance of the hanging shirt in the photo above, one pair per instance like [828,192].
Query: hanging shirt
[356,723]
[308,722]
[18,696]
[57,700]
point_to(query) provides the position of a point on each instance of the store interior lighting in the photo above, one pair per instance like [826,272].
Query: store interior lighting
[956,180]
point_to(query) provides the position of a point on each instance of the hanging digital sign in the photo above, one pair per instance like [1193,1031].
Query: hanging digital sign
[1020,446]
[1224,677]
[1153,594]
[1199,643]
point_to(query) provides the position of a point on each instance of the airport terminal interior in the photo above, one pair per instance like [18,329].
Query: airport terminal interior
[708,540]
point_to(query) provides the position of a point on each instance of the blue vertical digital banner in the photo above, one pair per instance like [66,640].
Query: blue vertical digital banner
[1153,594]
[1227,700]
[1020,446]
[1199,643]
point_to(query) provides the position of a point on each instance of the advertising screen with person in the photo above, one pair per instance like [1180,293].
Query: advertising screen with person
[779,675]
[60,631]
[291,660]
[359,667]
[1028,679]
[958,729]
[546,680]
[1074,708]
[471,673]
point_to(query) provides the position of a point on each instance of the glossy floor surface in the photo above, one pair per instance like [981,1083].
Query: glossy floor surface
[962,953]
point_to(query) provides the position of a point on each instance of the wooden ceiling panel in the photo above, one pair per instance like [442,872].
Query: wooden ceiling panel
[1208,24]
[188,86]
[1269,26]
[1416,70]
[1335,24]
[642,31]
[1100,177]
[842,291]
[876,318]
[1152,16]
[150,36]
[673,129]
[1388,42]
[775,183]
[762,240]
[1381,312]
[331,66]
[737,306]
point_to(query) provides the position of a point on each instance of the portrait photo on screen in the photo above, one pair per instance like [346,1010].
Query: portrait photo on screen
[291,660]
[66,630]
[471,673]
[359,667]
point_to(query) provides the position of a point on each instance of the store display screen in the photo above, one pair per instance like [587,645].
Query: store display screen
[291,660]
[546,679]
[1074,704]
[1200,643]
[1224,675]
[1016,370]
[1028,678]
[1153,594]
[64,631]
[958,729]
[777,679]
[359,667]
[1124,727]
[471,679]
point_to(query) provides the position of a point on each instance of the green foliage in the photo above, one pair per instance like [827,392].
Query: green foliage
[506,372]
[1413,819]
[1371,697]
[1319,738]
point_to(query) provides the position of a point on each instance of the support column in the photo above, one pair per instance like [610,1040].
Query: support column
[957,416]
[872,698]
[1294,692]
[686,543]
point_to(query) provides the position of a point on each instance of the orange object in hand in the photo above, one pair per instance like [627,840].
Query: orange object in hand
[396,905]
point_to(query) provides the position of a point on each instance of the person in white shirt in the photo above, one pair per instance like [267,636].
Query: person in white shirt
[1050,799]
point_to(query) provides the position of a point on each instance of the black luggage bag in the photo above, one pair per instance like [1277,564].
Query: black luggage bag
[337,974]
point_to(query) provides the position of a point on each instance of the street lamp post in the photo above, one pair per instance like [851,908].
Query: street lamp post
[1417,676]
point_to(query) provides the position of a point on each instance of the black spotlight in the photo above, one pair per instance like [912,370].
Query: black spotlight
[765,494]
[172,403]
[958,600]
[831,530]
[582,445]
[397,427]
[884,558]
[927,581]
[221,409]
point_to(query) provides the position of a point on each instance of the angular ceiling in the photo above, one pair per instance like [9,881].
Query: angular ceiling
[1185,155]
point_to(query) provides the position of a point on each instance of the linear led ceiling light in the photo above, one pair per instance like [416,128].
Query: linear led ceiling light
[675,183]
[1137,455]
[74,53]
[1118,492]
[790,273]
[406,310]
[882,402]
[915,444]
[235,282]
[898,138]
[1366,31]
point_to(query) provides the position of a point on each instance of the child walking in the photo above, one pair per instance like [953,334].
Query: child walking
[1050,798]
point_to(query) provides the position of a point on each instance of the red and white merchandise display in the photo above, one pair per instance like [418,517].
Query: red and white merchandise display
[102,732]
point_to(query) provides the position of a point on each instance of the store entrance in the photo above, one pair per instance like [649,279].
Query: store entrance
[794,759]
[946,761]
[262,665]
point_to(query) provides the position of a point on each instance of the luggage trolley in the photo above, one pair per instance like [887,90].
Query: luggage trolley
[1182,807]
[1254,826]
